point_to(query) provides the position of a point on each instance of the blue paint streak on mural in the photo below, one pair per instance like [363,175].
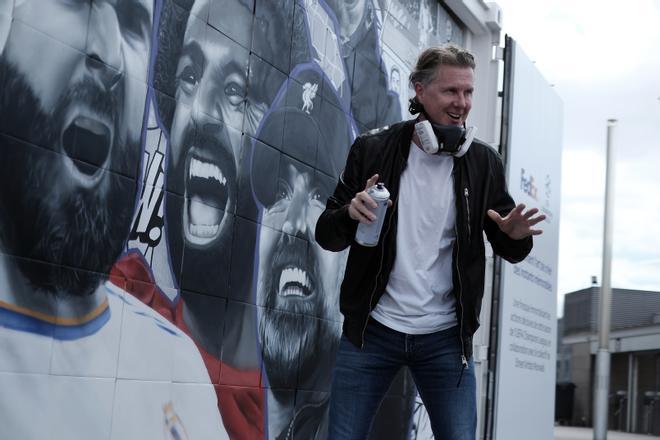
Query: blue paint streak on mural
[148,100]
[18,321]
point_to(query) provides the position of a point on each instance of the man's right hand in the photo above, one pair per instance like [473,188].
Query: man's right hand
[360,204]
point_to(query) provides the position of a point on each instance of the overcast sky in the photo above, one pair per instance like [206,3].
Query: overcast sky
[603,57]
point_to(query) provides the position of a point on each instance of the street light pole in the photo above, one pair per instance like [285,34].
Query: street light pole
[603,356]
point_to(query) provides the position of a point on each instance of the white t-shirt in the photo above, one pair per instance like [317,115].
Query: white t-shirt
[127,373]
[418,298]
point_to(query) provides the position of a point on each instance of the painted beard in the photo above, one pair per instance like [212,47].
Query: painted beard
[68,213]
[201,226]
[291,282]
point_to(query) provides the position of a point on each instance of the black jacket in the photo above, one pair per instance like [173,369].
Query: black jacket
[479,185]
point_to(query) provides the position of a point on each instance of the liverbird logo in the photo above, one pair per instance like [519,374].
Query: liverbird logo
[308,94]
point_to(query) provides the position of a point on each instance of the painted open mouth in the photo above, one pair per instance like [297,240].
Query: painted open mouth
[295,282]
[206,200]
[86,143]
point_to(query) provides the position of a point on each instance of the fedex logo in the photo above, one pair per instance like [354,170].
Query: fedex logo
[528,184]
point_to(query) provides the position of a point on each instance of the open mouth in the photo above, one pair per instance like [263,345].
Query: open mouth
[206,200]
[455,117]
[295,282]
[86,143]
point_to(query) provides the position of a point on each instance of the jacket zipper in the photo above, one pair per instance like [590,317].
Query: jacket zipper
[380,268]
[460,300]
[466,193]
[464,363]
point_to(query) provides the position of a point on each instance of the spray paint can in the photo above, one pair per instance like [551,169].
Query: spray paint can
[368,234]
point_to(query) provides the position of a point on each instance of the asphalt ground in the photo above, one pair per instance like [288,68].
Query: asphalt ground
[573,433]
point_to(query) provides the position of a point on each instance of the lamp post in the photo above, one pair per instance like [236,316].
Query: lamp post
[603,355]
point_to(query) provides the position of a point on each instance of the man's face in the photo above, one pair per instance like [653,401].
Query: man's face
[298,277]
[448,98]
[206,131]
[76,86]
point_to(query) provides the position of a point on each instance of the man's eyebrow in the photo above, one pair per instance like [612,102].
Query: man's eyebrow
[229,68]
[194,51]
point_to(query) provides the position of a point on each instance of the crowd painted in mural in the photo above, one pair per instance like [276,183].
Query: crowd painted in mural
[163,166]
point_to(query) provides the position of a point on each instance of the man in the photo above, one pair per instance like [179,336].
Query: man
[88,358]
[414,299]
[298,282]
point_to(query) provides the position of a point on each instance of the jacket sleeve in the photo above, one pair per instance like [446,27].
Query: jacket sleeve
[335,229]
[501,201]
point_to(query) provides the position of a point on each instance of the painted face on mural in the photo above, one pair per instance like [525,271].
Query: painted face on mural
[296,277]
[71,206]
[212,109]
[350,14]
[298,282]
[395,80]
[115,36]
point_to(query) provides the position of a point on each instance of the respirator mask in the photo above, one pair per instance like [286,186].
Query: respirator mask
[441,139]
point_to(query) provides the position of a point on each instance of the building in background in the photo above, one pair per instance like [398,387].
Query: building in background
[634,404]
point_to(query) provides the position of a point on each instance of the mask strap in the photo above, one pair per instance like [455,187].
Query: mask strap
[470,132]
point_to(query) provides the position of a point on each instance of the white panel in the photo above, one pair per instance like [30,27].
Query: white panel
[527,340]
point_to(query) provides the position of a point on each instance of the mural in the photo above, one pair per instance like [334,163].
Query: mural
[163,166]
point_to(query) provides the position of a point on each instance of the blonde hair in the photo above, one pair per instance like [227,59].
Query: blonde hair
[428,62]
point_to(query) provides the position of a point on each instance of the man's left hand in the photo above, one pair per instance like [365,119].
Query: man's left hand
[517,224]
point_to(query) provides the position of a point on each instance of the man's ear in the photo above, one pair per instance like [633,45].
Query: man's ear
[419,89]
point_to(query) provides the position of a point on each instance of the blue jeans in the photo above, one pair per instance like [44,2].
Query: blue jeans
[362,377]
